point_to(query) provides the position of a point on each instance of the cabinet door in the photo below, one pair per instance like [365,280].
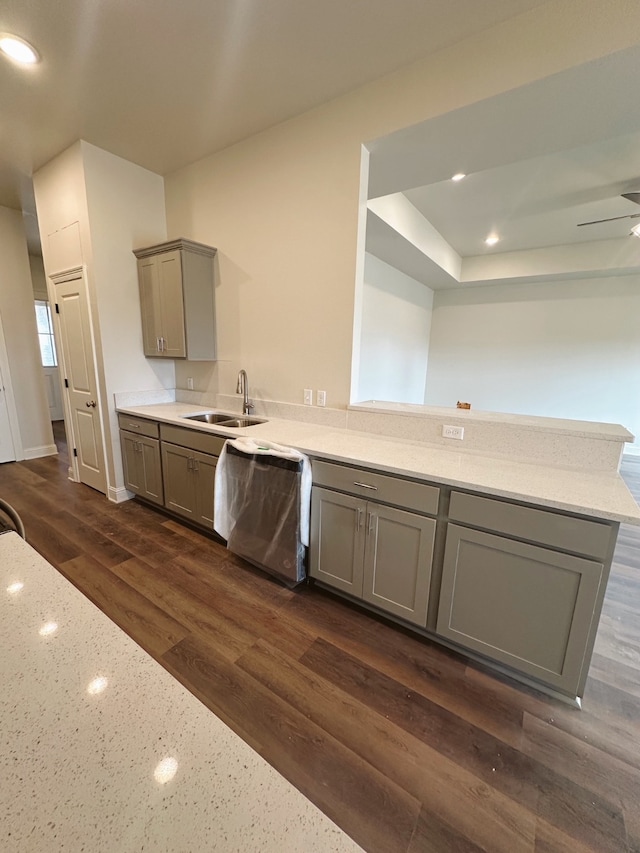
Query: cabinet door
[150,307]
[172,305]
[204,469]
[131,463]
[526,606]
[142,467]
[337,540]
[397,562]
[179,481]
[151,469]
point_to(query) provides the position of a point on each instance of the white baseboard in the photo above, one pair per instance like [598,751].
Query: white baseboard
[119,494]
[38,452]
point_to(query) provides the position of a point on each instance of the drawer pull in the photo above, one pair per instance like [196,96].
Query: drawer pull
[133,426]
[366,486]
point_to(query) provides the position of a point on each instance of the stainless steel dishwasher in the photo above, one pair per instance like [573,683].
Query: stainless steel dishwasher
[262,506]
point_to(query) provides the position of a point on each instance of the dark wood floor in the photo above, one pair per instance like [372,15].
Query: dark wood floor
[407,746]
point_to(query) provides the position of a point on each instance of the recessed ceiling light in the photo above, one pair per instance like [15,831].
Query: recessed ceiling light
[18,49]
[458,176]
[492,239]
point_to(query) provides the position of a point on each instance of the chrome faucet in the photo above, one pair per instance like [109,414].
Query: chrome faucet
[243,388]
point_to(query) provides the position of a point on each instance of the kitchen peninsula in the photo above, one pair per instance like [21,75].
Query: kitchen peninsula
[105,750]
[504,559]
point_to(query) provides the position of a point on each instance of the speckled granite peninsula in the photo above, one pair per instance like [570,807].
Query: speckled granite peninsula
[103,750]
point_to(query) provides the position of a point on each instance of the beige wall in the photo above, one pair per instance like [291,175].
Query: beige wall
[564,349]
[393,343]
[93,209]
[125,206]
[19,325]
[282,206]
[38,278]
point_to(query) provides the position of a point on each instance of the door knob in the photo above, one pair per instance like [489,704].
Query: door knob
[91,404]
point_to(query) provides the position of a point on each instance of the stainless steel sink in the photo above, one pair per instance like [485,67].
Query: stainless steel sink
[225,420]
[242,422]
[209,417]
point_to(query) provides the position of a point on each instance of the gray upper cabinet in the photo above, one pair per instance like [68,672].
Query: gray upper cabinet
[177,300]
[377,553]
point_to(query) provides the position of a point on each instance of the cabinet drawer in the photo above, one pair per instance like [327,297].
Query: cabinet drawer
[377,487]
[138,425]
[192,438]
[582,536]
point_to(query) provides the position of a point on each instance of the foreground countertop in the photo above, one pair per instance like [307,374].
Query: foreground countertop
[85,768]
[598,494]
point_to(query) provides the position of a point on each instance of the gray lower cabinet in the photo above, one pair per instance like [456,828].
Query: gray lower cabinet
[189,459]
[139,439]
[374,552]
[525,605]
[188,483]
[142,467]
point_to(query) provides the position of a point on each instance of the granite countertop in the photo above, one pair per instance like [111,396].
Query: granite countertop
[104,750]
[598,494]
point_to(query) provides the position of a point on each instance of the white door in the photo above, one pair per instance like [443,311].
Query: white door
[79,371]
[7,450]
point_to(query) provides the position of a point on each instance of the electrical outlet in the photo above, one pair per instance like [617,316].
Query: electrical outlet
[321,398]
[308,397]
[190,383]
[453,432]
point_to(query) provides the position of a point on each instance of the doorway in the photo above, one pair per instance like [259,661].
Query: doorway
[49,358]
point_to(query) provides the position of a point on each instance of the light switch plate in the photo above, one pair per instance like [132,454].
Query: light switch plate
[321,398]
[308,397]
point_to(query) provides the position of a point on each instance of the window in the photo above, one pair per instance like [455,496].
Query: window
[45,334]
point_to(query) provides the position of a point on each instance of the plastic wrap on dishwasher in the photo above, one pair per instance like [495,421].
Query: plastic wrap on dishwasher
[261,505]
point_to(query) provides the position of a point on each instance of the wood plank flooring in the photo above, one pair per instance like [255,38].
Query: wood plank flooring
[407,746]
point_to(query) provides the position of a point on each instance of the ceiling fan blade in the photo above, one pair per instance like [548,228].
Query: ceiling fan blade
[611,218]
[634,197]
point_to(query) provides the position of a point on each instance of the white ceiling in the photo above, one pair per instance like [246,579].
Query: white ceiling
[538,202]
[163,83]
[539,160]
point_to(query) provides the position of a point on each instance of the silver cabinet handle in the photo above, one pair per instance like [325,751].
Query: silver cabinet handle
[371,524]
[133,426]
[158,345]
[366,486]
[358,519]
[190,464]
[163,344]
[91,404]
